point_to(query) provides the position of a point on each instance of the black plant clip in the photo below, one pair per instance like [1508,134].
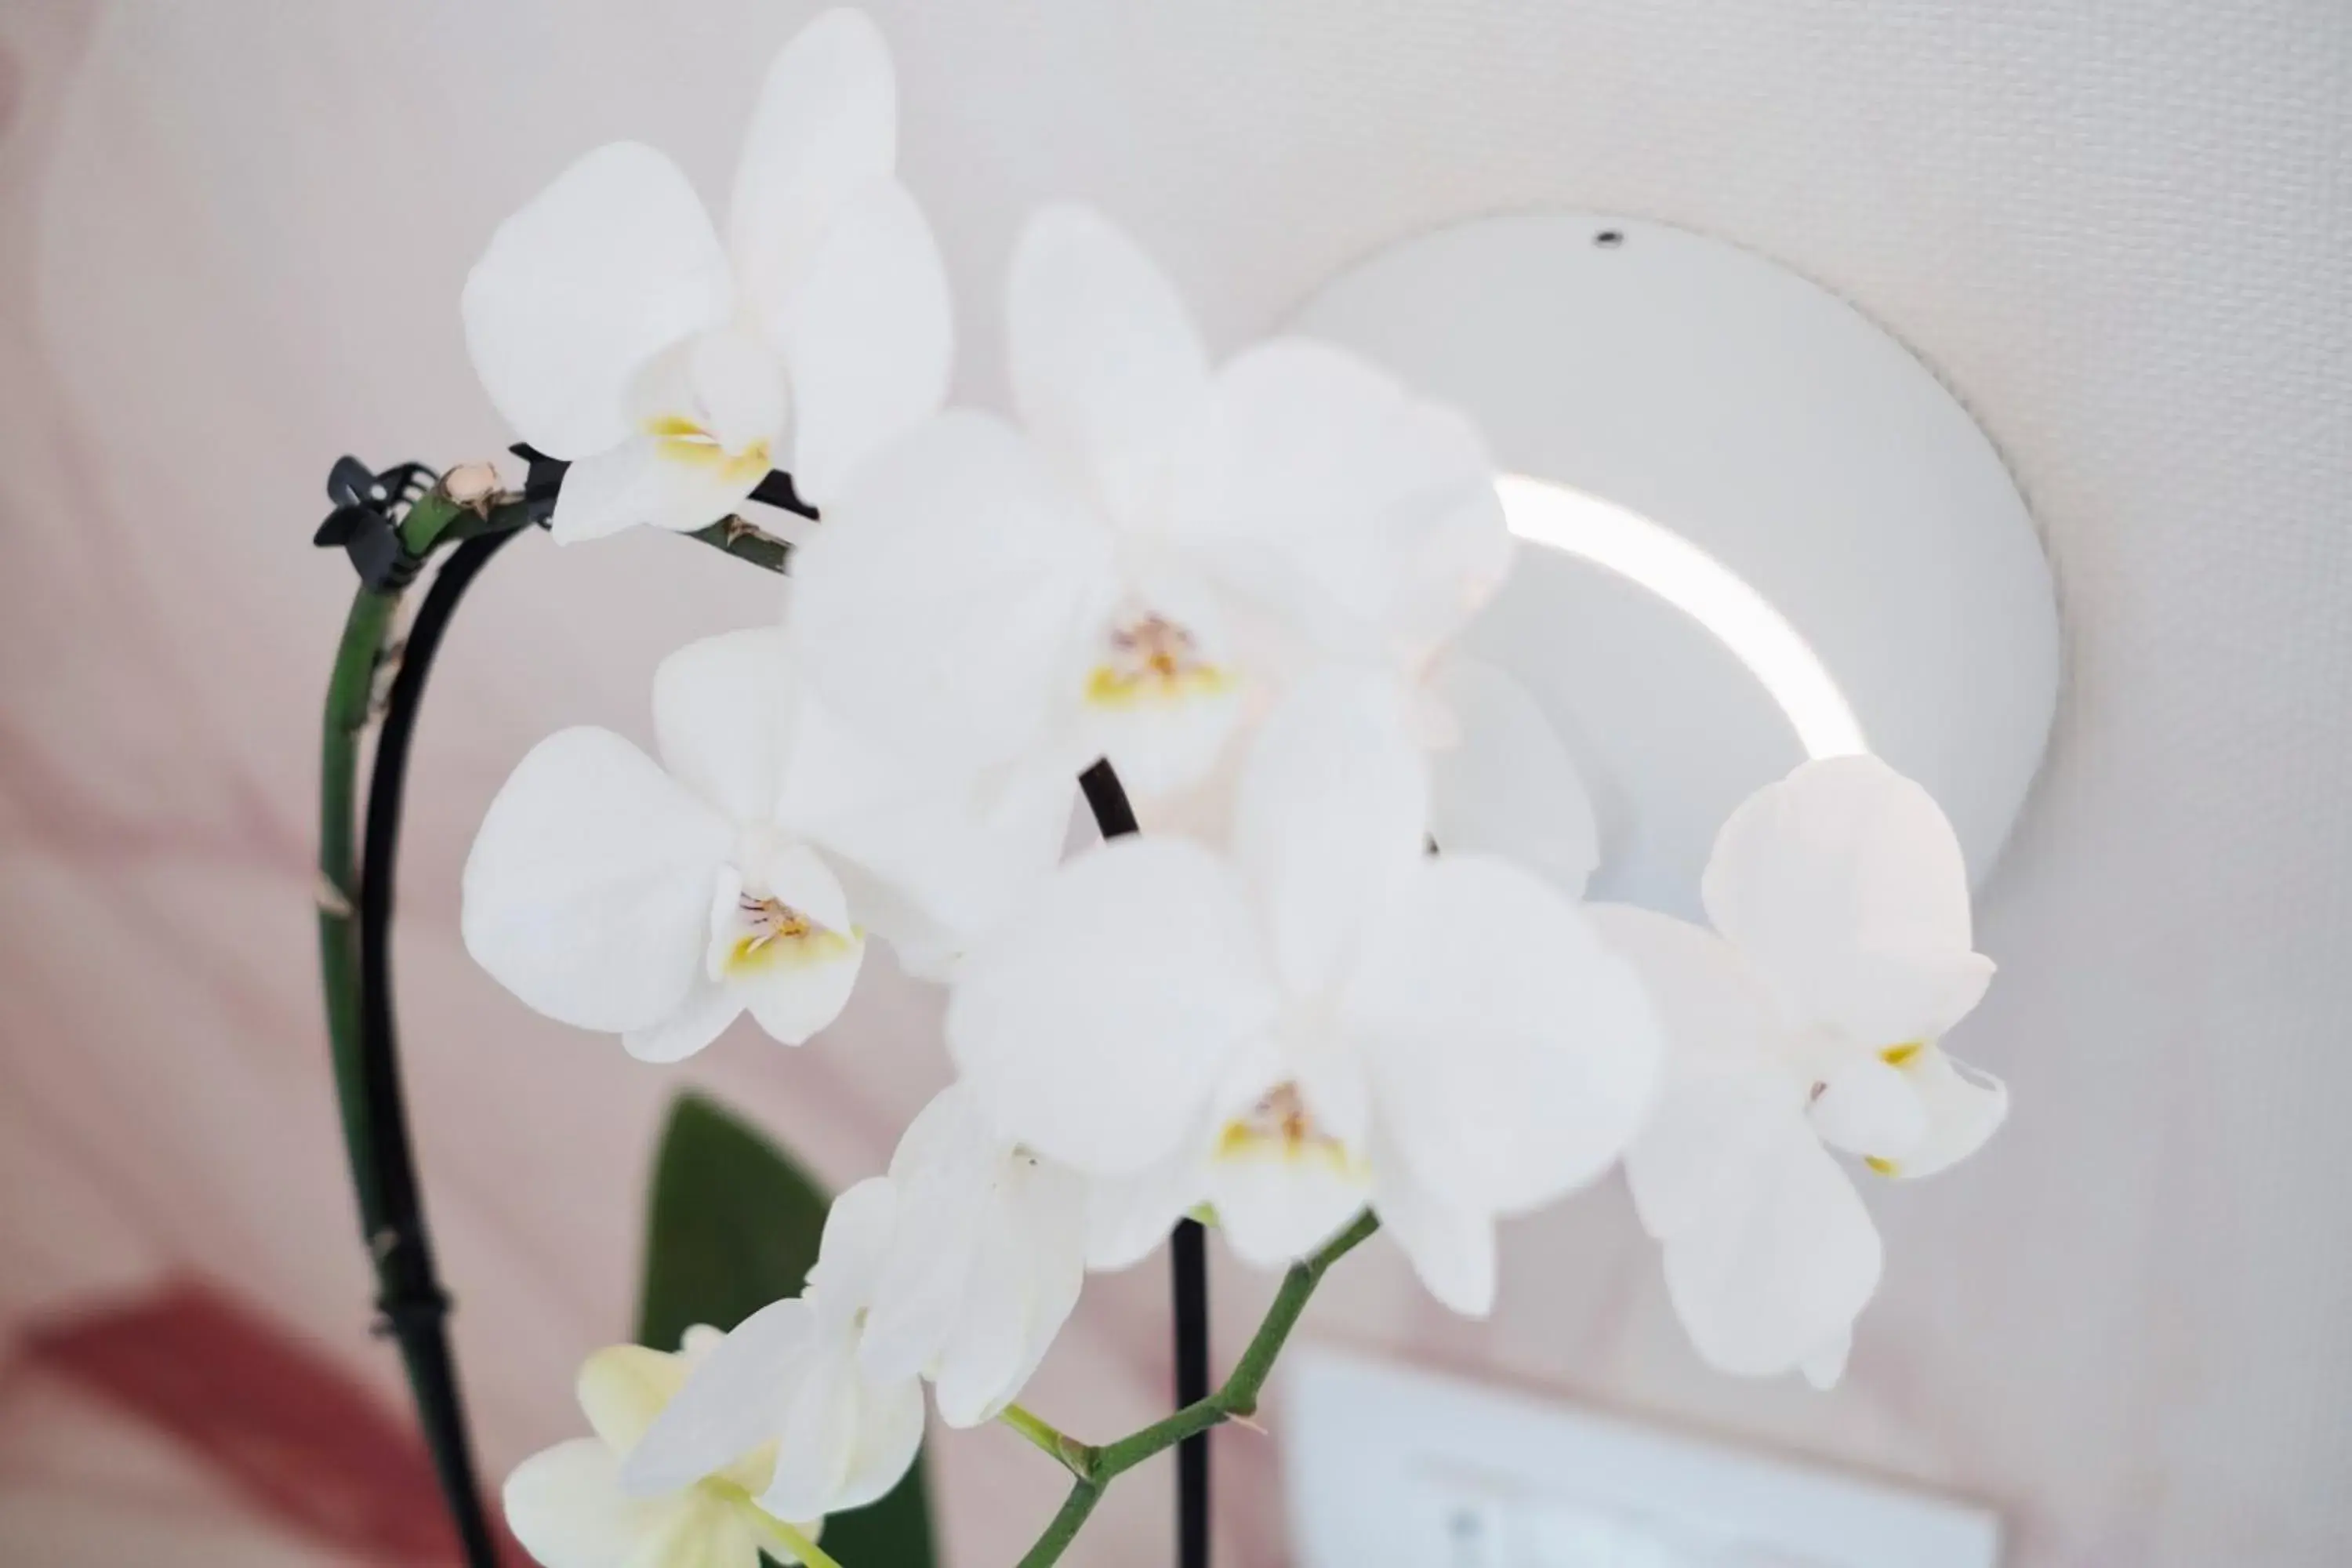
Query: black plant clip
[366,520]
[546,478]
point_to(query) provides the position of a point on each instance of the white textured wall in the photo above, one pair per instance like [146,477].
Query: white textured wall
[231,237]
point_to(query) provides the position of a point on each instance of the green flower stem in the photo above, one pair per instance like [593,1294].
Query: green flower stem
[366,660]
[1068,1520]
[746,542]
[349,700]
[1096,1467]
[779,1536]
[1064,1450]
[367,648]
[366,651]
[790,1540]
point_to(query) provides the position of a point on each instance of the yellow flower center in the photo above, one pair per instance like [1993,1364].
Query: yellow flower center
[1280,1125]
[773,934]
[684,441]
[1151,657]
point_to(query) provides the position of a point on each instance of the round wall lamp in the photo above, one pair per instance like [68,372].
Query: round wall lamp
[1760,529]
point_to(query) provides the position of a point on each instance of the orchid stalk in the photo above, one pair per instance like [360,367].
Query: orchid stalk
[365,698]
[1097,1467]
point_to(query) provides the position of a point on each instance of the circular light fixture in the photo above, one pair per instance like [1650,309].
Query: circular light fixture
[1703,588]
[1764,531]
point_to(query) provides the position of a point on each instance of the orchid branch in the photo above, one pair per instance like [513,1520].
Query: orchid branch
[746,542]
[1049,1439]
[789,1541]
[1096,1467]
[799,1546]
[377,680]
[368,656]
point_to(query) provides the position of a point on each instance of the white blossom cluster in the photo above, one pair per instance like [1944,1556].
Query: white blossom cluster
[1240,585]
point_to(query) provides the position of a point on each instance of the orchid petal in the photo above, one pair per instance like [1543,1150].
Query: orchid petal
[1512,1055]
[1727,1088]
[1763,1284]
[653,480]
[985,1265]
[944,1169]
[980,1359]
[1456,560]
[816,1442]
[1129,1215]
[566,1507]
[1108,372]
[1450,1246]
[825,129]
[1824,1367]
[732,1402]
[854,1249]
[1843,884]
[794,983]
[1505,786]
[1276,1202]
[722,387]
[867,335]
[1367,514]
[622,1388]
[1024,1283]
[948,592]
[1868,1107]
[926,948]
[1702,1146]
[1962,1107]
[609,265]
[700,1018]
[1162,690]
[1716,1011]
[800,877]
[1332,809]
[935,862]
[1053,1221]
[1094,1024]
[587,892]
[791,1002]
[889,1432]
[721,720]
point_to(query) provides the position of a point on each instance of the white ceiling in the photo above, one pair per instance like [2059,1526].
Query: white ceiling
[233,239]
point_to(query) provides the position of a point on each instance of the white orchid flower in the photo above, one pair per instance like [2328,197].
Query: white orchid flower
[659,902]
[1807,1021]
[1328,1019]
[1501,781]
[987,1263]
[1098,581]
[932,860]
[612,327]
[565,1504]
[790,1380]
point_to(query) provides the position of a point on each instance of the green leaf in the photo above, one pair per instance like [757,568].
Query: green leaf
[733,1225]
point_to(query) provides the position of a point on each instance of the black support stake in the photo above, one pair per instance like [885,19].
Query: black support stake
[412,1305]
[1188,1253]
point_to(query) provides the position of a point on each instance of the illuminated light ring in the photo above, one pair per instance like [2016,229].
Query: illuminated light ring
[1701,587]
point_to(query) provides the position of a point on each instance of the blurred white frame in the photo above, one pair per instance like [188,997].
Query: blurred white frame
[1386,1467]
